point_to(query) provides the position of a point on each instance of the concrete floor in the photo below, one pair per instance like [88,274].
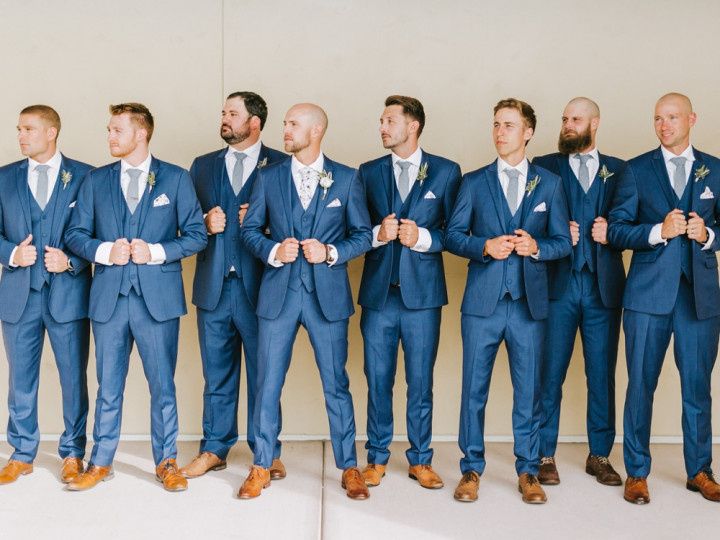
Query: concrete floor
[310,504]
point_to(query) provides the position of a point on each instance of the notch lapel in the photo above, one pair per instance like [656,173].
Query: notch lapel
[23,190]
[496,191]
[61,202]
[661,176]
[323,202]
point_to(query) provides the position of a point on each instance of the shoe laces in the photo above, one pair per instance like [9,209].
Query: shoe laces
[531,480]
[470,476]
[171,467]
[602,460]
[547,460]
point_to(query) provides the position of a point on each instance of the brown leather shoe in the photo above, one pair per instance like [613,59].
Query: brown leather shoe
[532,491]
[257,480]
[169,474]
[426,476]
[354,483]
[373,474]
[600,468]
[636,490]
[467,489]
[203,463]
[14,470]
[548,474]
[706,485]
[72,467]
[277,470]
[92,476]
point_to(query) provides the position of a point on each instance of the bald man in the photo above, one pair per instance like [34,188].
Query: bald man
[586,290]
[666,210]
[318,220]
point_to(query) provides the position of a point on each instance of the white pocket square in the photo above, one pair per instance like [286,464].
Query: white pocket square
[161,200]
[540,207]
[72,204]
[429,195]
[707,194]
[334,203]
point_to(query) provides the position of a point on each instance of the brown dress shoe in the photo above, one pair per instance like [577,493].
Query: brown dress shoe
[373,474]
[425,476]
[706,485]
[532,491]
[467,489]
[168,473]
[636,490]
[354,484]
[92,476]
[548,474]
[600,468]
[257,480]
[71,468]
[14,470]
[277,470]
[203,463]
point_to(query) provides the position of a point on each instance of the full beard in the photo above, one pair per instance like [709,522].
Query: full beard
[572,144]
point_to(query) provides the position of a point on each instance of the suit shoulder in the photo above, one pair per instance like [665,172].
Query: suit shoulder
[642,159]
[273,167]
[208,158]
[549,162]
[476,175]
[274,155]
[439,161]
[708,159]
[372,163]
[11,167]
[163,167]
[614,162]
[79,166]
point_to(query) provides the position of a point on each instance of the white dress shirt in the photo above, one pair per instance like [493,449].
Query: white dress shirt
[157,252]
[593,165]
[295,168]
[656,231]
[424,240]
[252,154]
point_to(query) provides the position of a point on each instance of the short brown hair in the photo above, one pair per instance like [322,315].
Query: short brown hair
[411,107]
[139,115]
[525,110]
[47,113]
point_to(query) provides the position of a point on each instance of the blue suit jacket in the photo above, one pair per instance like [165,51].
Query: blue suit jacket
[69,290]
[610,270]
[347,227]
[207,173]
[422,274]
[643,198]
[98,218]
[478,216]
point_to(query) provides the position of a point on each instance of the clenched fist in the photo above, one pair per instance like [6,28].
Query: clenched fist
[140,251]
[500,247]
[288,251]
[215,220]
[388,229]
[120,252]
[696,229]
[26,253]
[575,232]
[56,261]
[314,251]
[524,243]
[241,213]
[674,225]
[599,230]
[408,233]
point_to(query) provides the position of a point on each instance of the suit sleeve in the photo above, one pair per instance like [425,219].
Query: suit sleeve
[557,244]
[451,191]
[253,228]
[80,234]
[192,237]
[624,232]
[458,238]
[6,247]
[358,239]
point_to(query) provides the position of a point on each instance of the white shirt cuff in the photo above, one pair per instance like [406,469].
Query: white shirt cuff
[157,254]
[710,240]
[333,254]
[424,240]
[536,256]
[12,257]
[102,255]
[271,258]
[656,235]
[377,243]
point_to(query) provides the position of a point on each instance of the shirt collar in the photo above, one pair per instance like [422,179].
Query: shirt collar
[687,154]
[414,159]
[54,162]
[144,166]
[593,153]
[251,152]
[522,166]
[317,165]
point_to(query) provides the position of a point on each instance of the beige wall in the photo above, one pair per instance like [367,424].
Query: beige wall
[181,57]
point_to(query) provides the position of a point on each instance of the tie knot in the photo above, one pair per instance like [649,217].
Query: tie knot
[42,168]
[240,156]
[134,174]
[678,161]
[513,174]
[584,158]
[404,165]
[307,173]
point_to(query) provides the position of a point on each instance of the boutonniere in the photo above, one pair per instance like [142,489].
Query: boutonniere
[65,178]
[151,181]
[422,173]
[532,184]
[262,163]
[325,182]
[701,172]
[605,174]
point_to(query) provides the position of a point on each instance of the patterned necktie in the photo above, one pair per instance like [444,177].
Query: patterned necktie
[584,172]
[307,186]
[238,171]
[513,188]
[41,193]
[679,178]
[404,179]
[133,190]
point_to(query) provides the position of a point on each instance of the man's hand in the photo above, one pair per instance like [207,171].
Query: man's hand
[314,251]
[575,232]
[388,229]
[243,210]
[215,220]
[525,244]
[288,251]
[140,251]
[500,247]
[674,225]
[120,252]
[26,253]
[408,232]
[696,229]
[56,261]
[599,230]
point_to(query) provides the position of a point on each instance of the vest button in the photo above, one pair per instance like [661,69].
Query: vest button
[510,262]
[509,280]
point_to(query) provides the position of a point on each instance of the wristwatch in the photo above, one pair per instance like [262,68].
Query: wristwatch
[328,255]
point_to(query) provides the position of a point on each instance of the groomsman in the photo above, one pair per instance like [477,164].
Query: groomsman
[666,210]
[316,213]
[43,288]
[410,195]
[585,293]
[510,218]
[136,219]
[227,280]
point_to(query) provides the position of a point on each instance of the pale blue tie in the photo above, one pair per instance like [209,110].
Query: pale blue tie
[41,193]
[513,188]
[679,177]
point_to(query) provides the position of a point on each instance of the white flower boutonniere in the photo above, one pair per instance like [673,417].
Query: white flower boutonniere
[532,184]
[326,181]
[701,172]
[605,174]
[65,178]
[262,163]
[422,173]
[151,181]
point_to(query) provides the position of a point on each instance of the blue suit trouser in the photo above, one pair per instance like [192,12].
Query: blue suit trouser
[70,343]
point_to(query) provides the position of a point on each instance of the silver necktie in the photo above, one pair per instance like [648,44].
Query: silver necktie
[404,179]
[133,190]
[238,171]
[584,172]
[679,178]
[41,193]
[513,188]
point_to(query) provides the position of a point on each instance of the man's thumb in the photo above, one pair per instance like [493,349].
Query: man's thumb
[27,241]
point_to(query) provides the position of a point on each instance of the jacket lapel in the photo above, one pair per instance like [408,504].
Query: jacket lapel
[419,188]
[61,203]
[149,193]
[218,174]
[24,192]
[286,185]
[662,178]
[322,202]
[388,182]
[568,176]
[528,199]
[496,191]
[696,187]
[116,196]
